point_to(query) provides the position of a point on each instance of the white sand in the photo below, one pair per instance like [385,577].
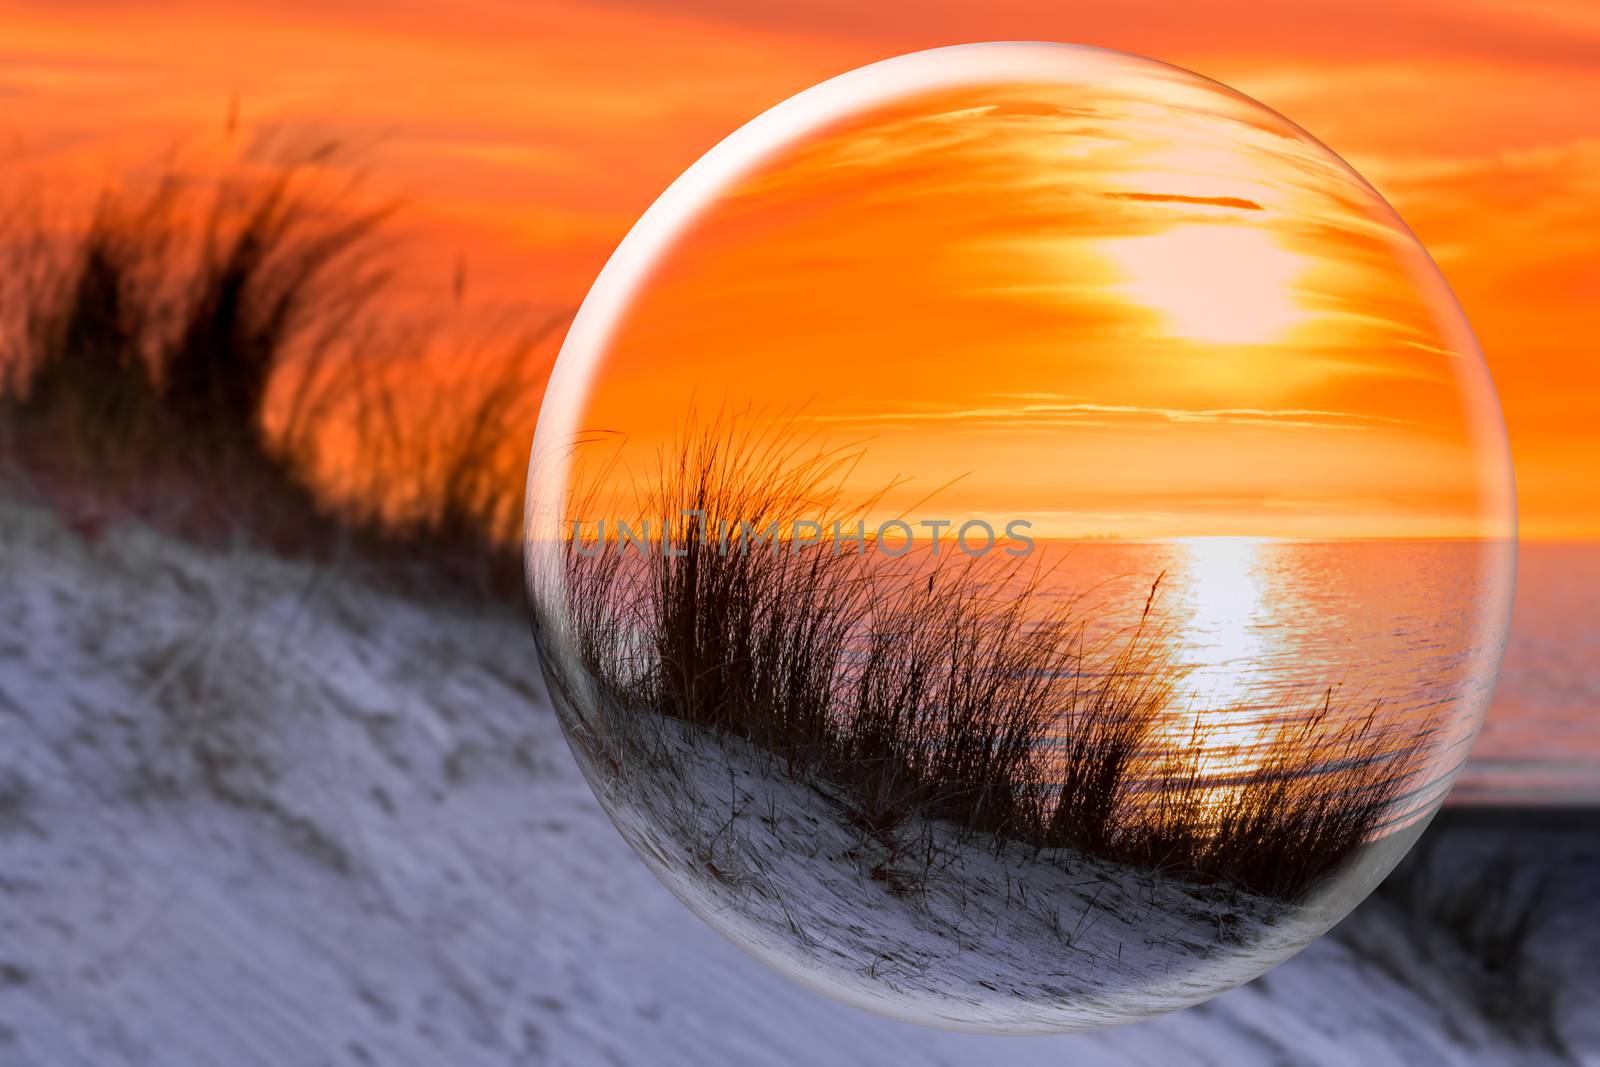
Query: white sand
[252,813]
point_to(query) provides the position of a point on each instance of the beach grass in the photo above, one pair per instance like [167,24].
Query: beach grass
[948,689]
[1480,930]
[215,351]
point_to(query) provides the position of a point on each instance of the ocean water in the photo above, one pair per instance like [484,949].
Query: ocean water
[1266,632]
[1263,634]
[1541,741]
[1270,624]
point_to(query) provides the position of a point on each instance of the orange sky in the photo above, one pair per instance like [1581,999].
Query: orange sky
[526,137]
[1120,300]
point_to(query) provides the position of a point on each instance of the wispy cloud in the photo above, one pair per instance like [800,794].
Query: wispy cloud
[1174,198]
[1047,411]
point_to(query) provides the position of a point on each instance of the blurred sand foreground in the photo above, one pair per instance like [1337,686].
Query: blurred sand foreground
[255,812]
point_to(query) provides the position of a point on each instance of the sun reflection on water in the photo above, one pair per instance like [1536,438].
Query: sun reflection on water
[1224,634]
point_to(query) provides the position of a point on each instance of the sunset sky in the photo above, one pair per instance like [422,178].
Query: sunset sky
[1100,294]
[526,138]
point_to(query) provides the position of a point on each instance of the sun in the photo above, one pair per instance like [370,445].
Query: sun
[1213,283]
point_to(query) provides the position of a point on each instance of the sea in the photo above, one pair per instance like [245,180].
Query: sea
[1487,651]
[1540,743]
[1265,630]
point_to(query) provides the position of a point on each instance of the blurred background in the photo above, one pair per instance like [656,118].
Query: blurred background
[279,287]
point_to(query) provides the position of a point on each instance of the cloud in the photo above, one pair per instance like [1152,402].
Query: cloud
[1173,198]
[1351,30]
[1048,414]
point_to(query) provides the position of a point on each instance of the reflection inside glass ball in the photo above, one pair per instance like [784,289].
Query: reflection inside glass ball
[1019,538]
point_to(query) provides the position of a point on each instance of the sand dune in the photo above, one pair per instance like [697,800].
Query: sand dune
[254,812]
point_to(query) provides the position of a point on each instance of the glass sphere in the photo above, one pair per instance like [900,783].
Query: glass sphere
[1020,537]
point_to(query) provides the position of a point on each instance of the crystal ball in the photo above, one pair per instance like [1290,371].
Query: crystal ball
[1019,538]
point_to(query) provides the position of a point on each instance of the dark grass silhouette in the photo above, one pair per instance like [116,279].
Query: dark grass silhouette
[763,638]
[1103,729]
[436,479]
[1479,928]
[79,378]
[187,353]
[1328,783]
[950,690]
[943,689]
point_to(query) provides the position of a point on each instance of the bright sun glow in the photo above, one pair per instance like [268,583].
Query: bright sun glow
[1224,628]
[1133,312]
[1213,283]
